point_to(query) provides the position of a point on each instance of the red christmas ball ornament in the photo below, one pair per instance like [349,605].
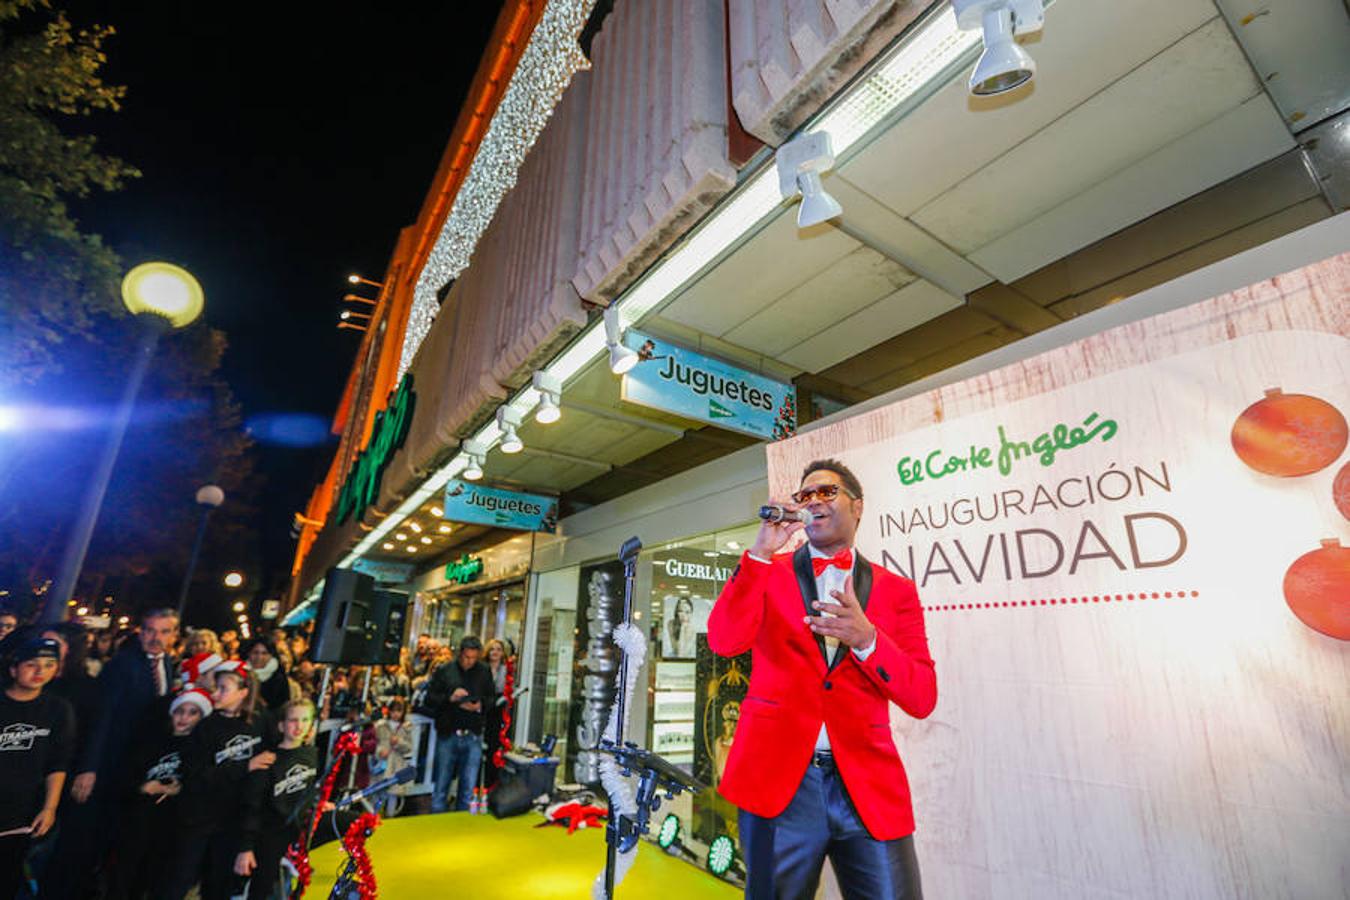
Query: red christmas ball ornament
[1340,490]
[1289,434]
[1317,589]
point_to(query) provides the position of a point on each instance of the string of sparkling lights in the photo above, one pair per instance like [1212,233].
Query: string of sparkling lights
[551,58]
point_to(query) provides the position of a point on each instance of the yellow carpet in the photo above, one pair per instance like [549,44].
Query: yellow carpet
[454,853]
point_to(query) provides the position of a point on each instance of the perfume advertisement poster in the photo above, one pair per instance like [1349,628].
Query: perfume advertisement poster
[722,683]
[685,582]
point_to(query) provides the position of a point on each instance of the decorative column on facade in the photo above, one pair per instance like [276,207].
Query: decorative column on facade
[656,157]
[788,56]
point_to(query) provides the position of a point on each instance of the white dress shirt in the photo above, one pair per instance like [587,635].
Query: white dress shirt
[832,579]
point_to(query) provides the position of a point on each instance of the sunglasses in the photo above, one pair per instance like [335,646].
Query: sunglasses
[823,491]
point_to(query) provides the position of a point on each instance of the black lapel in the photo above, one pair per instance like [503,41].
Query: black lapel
[806,581]
[862,580]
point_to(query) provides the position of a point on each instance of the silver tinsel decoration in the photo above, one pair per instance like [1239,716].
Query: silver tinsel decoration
[597,687]
[546,68]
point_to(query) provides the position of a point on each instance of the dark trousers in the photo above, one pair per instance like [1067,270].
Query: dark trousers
[205,855]
[139,859]
[784,855]
[84,831]
[13,849]
[268,849]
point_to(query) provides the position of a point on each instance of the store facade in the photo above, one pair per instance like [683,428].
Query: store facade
[481,594]
[973,232]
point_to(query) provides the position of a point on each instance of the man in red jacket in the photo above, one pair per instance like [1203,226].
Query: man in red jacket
[835,640]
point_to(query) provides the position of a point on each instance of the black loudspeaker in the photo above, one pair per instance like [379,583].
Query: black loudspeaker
[341,632]
[387,612]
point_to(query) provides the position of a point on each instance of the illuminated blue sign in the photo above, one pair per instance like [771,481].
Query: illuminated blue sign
[469,502]
[681,381]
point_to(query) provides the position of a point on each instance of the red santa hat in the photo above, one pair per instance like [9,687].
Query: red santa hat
[233,666]
[193,668]
[195,697]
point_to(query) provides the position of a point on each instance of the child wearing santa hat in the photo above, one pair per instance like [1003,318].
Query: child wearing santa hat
[217,760]
[197,671]
[150,808]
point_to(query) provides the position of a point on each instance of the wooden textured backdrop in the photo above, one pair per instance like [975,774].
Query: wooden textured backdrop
[1118,723]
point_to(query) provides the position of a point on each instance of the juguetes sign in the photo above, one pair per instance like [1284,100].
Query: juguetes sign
[678,380]
[469,502]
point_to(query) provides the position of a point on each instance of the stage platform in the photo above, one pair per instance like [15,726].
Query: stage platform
[435,855]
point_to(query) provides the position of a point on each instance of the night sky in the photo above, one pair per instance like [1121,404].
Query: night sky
[280,152]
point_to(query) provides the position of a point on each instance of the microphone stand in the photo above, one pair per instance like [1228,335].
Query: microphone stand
[654,773]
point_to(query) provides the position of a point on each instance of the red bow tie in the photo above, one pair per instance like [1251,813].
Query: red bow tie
[843,560]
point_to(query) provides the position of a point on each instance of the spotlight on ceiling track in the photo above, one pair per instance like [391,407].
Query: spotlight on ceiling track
[1004,65]
[621,358]
[477,454]
[550,396]
[800,164]
[508,420]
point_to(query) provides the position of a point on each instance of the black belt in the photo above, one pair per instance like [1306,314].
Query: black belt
[823,759]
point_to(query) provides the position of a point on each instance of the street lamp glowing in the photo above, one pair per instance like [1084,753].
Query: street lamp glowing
[163,289]
[239,606]
[234,579]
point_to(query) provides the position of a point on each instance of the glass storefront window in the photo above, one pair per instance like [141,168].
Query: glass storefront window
[693,693]
[555,608]
[497,612]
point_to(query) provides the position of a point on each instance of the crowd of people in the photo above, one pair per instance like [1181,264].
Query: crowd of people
[149,762]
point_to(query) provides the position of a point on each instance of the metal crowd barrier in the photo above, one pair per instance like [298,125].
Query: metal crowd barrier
[423,751]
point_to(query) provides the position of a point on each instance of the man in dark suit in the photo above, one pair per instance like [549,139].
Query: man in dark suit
[835,640]
[133,692]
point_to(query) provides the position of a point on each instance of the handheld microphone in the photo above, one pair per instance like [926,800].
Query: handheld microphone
[774,512]
[403,776]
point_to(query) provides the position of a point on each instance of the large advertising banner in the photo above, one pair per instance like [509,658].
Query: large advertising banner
[1133,554]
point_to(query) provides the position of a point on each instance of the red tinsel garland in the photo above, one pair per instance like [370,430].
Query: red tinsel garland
[355,843]
[508,691]
[298,853]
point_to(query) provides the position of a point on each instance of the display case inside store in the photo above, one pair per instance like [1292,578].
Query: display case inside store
[694,693]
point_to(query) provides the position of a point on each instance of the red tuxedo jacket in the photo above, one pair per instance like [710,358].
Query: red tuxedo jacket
[792,691]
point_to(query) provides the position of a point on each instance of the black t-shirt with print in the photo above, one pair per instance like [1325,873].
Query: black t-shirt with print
[37,738]
[214,767]
[158,758]
[281,798]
